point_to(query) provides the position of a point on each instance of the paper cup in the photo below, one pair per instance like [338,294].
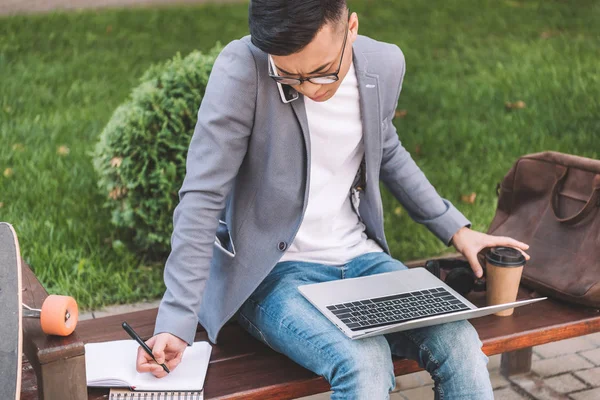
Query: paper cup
[504,266]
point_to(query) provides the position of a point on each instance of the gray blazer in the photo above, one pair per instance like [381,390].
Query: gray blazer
[246,185]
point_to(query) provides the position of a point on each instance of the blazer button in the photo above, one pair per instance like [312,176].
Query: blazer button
[282,246]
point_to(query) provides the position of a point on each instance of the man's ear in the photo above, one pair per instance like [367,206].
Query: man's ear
[353,27]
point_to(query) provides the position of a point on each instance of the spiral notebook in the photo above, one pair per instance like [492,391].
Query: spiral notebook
[126,394]
[112,364]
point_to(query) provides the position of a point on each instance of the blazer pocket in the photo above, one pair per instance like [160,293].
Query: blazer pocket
[223,240]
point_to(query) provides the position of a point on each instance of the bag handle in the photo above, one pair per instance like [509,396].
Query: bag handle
[593,201]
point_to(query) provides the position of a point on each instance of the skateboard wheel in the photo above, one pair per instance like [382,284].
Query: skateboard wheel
[59,315]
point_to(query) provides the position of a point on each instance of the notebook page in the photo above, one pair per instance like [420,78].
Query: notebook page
[110,363]
[189,374]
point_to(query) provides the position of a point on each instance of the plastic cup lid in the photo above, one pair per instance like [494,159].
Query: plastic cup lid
[505,256]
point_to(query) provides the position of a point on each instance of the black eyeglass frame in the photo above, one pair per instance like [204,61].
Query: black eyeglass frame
[287,80]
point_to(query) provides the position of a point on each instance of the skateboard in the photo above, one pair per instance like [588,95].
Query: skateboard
[58,315]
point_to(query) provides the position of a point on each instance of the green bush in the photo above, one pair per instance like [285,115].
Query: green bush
[140,157]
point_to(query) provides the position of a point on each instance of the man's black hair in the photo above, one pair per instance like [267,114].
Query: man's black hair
[284,27]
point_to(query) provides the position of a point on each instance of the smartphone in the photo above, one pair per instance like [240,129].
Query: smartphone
[286,92]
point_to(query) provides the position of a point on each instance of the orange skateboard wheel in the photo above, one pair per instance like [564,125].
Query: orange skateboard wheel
[59,315]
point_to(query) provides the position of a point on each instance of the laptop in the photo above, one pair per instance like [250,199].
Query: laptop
[394,301]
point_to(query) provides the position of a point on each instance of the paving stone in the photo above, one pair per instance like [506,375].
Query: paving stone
[592,355]
[494,362]
[420,393]
[559,365]
[562,347]
[125,308]
[498,380]
[594,338]
[591,376]
[86,315]
[507,394]
[19,6]
[564,383]
[535,387]
[413,380]
[593,394]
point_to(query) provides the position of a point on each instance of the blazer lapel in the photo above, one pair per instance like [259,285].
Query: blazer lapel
[368,89]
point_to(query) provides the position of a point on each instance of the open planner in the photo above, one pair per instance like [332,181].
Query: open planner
[112,364]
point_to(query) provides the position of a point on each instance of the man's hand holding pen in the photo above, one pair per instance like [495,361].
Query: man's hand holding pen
[166,348]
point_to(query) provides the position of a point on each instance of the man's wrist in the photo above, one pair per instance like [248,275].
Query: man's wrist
[457,235]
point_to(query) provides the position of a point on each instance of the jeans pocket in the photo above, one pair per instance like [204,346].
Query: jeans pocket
[251,328]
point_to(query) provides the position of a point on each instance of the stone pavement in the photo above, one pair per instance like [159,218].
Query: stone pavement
[565,370]
[120,309]
[9,7]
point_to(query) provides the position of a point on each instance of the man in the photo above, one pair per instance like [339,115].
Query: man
[282,188]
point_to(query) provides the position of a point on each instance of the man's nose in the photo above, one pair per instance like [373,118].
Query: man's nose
[309,89]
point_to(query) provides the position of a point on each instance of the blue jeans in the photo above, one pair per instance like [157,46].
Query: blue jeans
[280,317]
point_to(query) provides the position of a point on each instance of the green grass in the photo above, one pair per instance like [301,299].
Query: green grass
[64,74]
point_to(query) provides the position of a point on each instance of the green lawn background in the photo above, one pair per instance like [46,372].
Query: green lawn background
[62,75]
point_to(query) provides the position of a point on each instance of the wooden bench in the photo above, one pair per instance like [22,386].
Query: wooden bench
[243,368]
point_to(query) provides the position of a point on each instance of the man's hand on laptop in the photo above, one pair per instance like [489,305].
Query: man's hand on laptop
[469,243]
[166,348]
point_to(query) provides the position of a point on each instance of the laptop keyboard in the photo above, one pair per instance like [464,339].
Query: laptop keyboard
[382,311]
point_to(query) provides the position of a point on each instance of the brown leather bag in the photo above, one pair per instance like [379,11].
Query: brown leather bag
[551,201]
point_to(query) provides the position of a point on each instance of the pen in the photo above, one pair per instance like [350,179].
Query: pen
[138,339]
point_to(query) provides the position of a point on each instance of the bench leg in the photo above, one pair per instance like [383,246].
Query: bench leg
[516,362]
[63,379]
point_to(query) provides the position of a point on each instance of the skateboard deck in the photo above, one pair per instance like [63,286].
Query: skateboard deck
[11,332]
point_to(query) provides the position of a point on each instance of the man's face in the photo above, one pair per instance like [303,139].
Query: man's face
[321,56]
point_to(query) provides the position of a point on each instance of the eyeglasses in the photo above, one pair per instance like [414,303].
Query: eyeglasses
[318,79]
